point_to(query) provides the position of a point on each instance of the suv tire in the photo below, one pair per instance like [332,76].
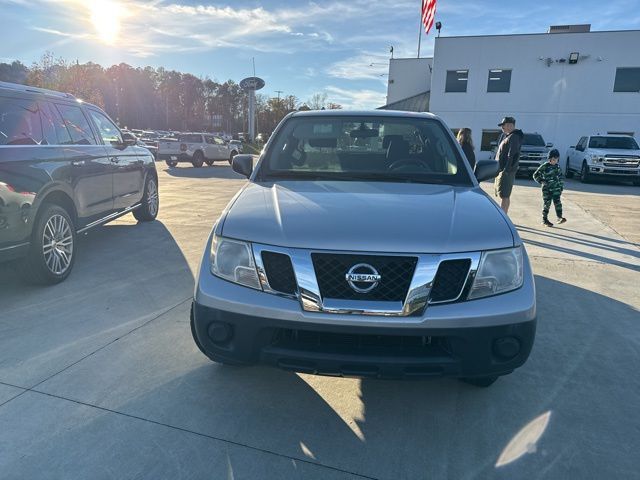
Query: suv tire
[198,159]
[53,243]
[567,171]
[148,211]
[584,173]
[171,163]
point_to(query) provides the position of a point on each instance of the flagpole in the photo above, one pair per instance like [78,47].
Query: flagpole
[420,29]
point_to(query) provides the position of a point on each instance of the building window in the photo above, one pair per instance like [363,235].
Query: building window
[627,80]
[456,81]
[499,80]
[489,140]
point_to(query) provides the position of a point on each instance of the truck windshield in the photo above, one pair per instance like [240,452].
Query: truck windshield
[365,148]
[533,139]
[615,143]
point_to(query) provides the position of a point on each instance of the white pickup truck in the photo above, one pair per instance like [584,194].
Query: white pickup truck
[604,155]
[197,149]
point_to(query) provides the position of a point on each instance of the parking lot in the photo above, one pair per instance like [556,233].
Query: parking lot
[100,378]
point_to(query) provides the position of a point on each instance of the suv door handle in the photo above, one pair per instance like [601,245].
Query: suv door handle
[114,160]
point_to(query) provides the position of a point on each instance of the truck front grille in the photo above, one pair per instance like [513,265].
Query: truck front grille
[279,272]
[396,273]
[450,280]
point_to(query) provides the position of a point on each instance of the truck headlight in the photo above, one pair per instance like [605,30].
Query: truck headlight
[233,261]
[499,271]
[596,158]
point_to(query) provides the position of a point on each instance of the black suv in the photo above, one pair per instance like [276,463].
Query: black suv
[65,167]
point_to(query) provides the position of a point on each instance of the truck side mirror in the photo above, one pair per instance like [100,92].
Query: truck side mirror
[243,164]
[486,169]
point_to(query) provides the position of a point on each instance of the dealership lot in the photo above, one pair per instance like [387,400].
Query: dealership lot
[100,378]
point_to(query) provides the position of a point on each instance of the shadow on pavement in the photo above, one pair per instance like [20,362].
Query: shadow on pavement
[393,429]
[608,186]
[555,234]
[120,280]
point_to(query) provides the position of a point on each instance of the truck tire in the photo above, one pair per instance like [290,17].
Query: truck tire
[52,251]
[584,173]
[148,211]
[171,163]
[198,159]
[567,171]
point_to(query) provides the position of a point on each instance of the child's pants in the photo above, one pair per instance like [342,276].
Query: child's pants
[547,197]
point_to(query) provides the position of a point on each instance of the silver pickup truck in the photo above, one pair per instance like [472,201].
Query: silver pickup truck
[616,156]
[197,149]
[363,245]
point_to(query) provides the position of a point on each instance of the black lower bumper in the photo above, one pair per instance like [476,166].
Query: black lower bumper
[361,351]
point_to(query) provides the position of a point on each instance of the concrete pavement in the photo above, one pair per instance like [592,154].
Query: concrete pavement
[99,376]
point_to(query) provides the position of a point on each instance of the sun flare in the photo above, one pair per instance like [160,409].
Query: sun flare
[105,17]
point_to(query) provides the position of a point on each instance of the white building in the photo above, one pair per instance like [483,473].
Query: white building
[563,84]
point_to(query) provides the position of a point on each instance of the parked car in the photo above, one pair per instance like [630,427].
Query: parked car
[152,148]
[197,149]
[387,262]
[64,168]
[614,156]
[237,144]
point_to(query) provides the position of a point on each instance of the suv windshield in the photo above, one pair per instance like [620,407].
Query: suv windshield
[533,139]
[359,148]
[619,143]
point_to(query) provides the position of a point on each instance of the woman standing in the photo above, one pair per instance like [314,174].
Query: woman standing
[464,139]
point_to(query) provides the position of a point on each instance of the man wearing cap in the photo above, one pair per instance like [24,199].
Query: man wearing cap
[508,156]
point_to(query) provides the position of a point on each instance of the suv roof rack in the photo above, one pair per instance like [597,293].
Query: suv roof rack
[28,88]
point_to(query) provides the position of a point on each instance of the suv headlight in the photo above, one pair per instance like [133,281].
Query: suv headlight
[233,261]
[499,271]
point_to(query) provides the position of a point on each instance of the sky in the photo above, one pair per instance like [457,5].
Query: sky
[337,47]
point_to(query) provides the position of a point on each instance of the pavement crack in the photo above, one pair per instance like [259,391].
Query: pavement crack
[203,435]
[152,319]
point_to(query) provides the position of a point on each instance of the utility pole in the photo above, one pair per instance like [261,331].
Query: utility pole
[279,92]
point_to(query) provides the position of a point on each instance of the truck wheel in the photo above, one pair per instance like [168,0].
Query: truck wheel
[52,251]
[198,160]
[209,162]
[480,381]
[567,171]
[584,173]
[148,211]
[171,164]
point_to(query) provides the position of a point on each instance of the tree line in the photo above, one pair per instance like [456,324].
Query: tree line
[159,99]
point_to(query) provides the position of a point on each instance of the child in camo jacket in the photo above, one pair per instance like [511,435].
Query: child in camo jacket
[550,176]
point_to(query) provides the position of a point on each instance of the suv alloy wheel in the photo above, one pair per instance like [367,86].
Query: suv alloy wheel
[52,251]
[148,211]
[198,159]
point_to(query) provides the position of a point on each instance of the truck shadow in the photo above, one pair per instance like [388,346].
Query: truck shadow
[437,428]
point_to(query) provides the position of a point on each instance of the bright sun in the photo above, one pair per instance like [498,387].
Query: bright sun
[105,17]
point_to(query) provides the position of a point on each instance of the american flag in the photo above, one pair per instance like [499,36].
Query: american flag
[428,13]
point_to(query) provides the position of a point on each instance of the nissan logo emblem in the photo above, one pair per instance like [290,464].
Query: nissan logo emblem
[363,278]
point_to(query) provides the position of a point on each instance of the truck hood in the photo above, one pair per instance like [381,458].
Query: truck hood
[613,151]
[368,216]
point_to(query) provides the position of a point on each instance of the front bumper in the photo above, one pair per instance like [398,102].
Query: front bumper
[177,157]
[458,339]
[347,350]
[613,171]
